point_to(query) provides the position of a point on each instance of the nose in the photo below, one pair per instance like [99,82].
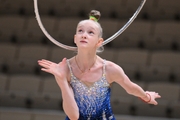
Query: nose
[84,35]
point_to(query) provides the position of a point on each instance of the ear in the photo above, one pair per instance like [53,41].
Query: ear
[75,39]
[100,41]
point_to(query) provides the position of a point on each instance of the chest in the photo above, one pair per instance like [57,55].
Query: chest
[89,78]
[96,89]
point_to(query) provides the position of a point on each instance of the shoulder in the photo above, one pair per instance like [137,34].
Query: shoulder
[112,67]
[69,64]
[113,71]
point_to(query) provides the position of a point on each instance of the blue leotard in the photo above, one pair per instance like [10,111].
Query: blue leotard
[93,102]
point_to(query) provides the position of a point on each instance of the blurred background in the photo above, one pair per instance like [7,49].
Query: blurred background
[148,51]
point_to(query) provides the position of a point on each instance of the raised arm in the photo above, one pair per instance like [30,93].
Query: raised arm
[116,74]
[60,72]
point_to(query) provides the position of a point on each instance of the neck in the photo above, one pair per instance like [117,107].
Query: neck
[85,62]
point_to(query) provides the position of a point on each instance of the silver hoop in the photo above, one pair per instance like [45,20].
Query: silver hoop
[120,31]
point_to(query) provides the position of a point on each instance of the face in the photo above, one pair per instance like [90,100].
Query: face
[88,35]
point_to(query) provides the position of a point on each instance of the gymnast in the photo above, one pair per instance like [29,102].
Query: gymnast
[85,79]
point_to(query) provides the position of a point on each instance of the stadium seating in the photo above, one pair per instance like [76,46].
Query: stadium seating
[148,51]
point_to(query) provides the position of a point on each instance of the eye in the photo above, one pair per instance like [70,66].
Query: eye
[80,30]
[91,32]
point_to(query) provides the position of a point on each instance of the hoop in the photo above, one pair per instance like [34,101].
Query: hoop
[120,31]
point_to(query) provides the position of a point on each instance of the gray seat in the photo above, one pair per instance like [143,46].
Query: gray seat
[49,115]
[15,115]
[144,109]
[16,7]
[109,27]
[131,6]
[27,57]
[165,90]
[35,52]
[175,75]
[154,73]
[33,34]
[175,107]
[160,42]
[165,35]
[165,58]
[112,7]
[135,36]
[7,52]
[10,27]
[21,90]
[122,102]
[72,8]
[57,54]
[168,9]
[66,29]
[3,85]
[23,66]
[50,95]
[134,57]
[108,54]
[167,98]
[50,7]
[3,82]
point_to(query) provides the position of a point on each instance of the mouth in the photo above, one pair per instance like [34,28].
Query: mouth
[83,41]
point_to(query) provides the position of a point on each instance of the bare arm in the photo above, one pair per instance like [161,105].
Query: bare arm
[116,74]
[60,72]
[69,104]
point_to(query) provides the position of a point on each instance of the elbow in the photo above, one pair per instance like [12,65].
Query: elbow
[131,92]
[74,116]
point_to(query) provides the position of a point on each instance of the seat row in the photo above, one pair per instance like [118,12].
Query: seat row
[123,103]
[154,9]
[141,34]
[24,114]
[137,63]
[30,91]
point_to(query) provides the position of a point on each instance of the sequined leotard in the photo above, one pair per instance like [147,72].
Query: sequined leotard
[93,102]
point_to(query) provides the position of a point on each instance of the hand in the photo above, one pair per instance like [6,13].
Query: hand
[59,69]
[151,96]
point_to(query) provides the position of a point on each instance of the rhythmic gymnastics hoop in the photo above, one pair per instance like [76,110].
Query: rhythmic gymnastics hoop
[120,31]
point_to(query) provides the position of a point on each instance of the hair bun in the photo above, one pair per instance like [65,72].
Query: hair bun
[94,15]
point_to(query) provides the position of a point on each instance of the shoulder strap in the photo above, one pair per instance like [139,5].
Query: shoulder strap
[104,67]
[69,67]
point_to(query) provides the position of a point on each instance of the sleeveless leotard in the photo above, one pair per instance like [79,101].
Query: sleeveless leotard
[93,102]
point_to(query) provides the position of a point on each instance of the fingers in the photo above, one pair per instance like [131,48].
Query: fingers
[157,95]
[63,61]
[155,102]
[45,70]
[45,61]
[154,95]
[49,66]
[44,64]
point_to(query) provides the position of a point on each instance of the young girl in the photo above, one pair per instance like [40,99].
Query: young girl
[85,79]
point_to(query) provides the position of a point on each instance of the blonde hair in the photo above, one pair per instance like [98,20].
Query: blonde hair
[95,15]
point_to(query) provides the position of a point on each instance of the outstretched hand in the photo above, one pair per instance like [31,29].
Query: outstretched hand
[59,69]
[152,97]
